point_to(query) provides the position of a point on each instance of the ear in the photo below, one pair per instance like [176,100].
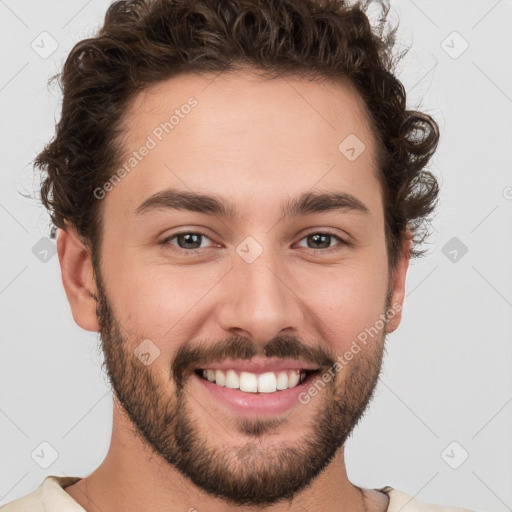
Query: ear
[78,278]
[397,284]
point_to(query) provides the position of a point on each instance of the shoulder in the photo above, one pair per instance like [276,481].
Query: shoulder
[50,495]
[403,502]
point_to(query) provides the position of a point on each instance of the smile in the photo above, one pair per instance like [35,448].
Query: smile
[255,387]
[248,382]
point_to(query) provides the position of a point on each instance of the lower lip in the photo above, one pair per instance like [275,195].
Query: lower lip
[242,403]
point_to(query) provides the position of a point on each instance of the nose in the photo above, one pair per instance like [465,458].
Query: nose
[259,300]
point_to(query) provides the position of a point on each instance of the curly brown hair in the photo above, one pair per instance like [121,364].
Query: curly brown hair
[146,41]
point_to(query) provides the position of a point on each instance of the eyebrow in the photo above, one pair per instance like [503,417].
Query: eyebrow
[304,204]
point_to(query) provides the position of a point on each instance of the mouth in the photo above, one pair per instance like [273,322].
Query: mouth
[249,382]
[256,387]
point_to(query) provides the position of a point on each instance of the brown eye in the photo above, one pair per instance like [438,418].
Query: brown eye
[322,240]
[188,240]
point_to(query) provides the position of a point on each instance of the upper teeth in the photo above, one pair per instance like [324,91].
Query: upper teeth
[252,383]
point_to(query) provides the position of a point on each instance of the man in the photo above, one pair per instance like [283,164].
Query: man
[238,190]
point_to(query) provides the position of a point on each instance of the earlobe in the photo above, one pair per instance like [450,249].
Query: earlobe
[398,285]
[78,278]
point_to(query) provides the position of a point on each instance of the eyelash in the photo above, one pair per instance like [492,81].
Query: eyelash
[166,241]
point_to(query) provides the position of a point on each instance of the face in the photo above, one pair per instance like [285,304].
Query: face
[245,250]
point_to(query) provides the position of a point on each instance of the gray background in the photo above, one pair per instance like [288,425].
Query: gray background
[446,390]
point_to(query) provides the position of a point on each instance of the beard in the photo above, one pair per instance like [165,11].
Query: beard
[252,473]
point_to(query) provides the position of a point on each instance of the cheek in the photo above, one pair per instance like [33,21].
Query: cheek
[136,291]
[156,300]
[346,300]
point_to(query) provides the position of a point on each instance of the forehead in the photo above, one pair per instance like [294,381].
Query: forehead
[244,102]
[240,134]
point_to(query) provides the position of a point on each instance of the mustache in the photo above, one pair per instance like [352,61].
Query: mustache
[190,357]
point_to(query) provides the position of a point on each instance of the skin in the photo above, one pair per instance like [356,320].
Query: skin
[256,143]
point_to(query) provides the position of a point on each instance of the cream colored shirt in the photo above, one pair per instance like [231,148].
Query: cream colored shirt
[51,497]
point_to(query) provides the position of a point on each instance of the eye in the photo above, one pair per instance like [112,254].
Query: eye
[190,240]
[322,240]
